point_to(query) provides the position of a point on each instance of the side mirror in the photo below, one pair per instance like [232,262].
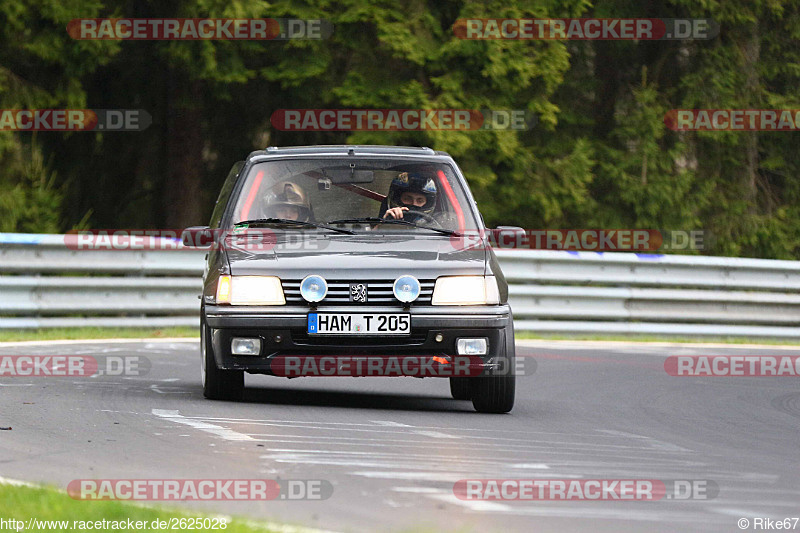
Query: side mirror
[197,237]
[507,237]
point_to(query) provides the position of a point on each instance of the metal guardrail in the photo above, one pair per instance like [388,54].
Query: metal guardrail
[43,283]
[625,293]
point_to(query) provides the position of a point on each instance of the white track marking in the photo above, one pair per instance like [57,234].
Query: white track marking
[155,388]
[436,435]
[219,431]
[741,513]
[500,443]
[318,423]
[480,506]
[419,430]
[658,444]
[449,477]
[393,461]
[419,490]
[329,453]
[425,433]
[16,482]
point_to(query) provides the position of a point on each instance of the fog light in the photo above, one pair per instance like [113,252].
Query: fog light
[246,346]
[313,288]
[406,289]
[472,346]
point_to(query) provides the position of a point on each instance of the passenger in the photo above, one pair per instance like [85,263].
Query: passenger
[288,201]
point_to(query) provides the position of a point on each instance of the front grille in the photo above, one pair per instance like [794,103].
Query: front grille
[378,292]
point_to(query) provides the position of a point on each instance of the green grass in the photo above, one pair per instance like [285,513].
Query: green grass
[523,335]
[96,333]
[22,503]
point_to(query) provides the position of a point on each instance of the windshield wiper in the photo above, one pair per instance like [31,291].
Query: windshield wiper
[258,221]
[377,220]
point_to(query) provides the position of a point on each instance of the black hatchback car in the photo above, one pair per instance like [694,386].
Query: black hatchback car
[358,261]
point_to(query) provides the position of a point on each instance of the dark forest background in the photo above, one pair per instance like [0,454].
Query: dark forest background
[600,155]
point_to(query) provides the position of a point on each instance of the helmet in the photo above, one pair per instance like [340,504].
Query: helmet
[287,194]
[416,183]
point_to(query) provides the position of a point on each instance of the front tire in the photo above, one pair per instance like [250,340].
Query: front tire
[495,393]
[459,388]
[218,384]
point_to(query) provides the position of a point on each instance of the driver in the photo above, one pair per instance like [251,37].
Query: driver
[288,201]
[411,195]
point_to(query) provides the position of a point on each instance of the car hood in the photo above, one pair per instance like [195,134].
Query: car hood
[294,256]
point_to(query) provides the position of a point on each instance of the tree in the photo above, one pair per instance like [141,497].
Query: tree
[40,67]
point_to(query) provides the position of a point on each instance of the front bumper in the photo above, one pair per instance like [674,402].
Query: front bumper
[284,333]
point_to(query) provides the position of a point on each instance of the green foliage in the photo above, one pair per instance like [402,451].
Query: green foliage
[40,67]
[58,511]
[30,203]
[646,171]
[600,155]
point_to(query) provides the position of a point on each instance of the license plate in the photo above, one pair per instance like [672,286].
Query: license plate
[359,324]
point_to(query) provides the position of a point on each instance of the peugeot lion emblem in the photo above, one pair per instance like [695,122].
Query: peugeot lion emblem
[358,292]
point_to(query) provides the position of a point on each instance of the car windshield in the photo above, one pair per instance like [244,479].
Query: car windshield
[356,194]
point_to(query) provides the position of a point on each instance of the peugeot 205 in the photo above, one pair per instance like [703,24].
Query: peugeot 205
[353,254]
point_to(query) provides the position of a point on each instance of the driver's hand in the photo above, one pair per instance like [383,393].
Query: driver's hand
[395,212]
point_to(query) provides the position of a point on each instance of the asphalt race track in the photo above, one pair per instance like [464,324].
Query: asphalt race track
[393,447]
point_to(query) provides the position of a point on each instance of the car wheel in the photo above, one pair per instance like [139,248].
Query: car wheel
[217,384]
[459,388]
[495,393]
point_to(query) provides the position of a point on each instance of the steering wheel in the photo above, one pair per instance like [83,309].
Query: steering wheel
[427,217]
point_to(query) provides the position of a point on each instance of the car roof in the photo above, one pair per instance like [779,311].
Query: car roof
[349,149]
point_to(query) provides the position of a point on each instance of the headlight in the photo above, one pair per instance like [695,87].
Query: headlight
[250,290]
[466,290]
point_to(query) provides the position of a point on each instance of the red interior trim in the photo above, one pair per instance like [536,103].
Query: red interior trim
[252,195]
[451,196]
